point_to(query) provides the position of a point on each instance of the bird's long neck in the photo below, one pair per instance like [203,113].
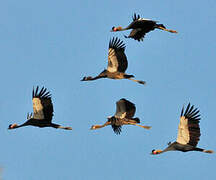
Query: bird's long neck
[22,125]
[98,77]
[99,126]
[123,29]
[14,126]
[171,147]
[103,74]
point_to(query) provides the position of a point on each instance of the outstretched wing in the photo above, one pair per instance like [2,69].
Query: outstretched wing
[125,108]
[42,104]
[116,124]
[116,129]
[117,60]
[189,130]
[137,34]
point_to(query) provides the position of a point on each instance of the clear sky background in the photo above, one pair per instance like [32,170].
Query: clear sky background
[55,43]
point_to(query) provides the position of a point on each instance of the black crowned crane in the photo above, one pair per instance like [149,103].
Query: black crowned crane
[43,111]
[125,111]
[117,63]
[140,27]
[188,133]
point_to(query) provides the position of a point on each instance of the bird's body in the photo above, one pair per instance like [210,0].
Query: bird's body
[175,146]
[43,111]
[118,122]
[117,63]
[188,133]
[140,27]
[125,111]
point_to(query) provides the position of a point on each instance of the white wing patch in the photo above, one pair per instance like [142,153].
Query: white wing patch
[123,115]
[143,19]
[120,109]
[37,108]
[183,132]
[112,61]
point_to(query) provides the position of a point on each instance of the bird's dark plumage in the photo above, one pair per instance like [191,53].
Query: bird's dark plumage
[125,111]
[140,27]
[117,60]
[188,133]
[117,63]
[42,111]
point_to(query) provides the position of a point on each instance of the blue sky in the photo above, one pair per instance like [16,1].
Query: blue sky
[55,43]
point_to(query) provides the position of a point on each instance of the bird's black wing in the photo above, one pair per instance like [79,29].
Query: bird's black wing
[116,129]
[125,109]
[116,124]
[137,34]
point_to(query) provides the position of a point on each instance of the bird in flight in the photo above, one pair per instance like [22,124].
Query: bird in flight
[140,27]
[188,133]
[125,111]
[117,63]
[43,111]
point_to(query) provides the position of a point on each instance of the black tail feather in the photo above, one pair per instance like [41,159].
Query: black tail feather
[116,129]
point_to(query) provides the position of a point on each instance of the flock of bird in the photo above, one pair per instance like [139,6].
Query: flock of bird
[188,129]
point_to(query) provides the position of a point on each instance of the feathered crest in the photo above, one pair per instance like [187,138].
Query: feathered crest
[135,17]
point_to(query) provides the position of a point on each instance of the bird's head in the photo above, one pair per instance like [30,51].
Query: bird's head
[12,126]
[86,78]
[158,151]
[94,127]
[114,29]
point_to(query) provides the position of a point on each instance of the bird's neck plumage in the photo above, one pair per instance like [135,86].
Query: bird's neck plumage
[21,125]
[121,29]
[170,147]
[99,126]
